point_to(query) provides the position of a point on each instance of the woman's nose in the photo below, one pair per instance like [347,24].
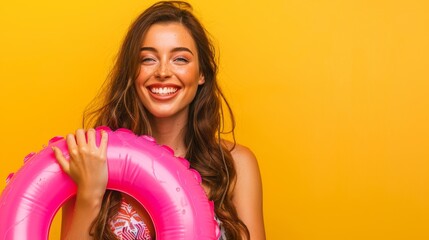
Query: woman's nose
[163,70]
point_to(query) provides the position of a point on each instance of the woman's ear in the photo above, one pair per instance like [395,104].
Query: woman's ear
[201,80]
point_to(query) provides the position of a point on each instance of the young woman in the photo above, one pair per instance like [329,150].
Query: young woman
[163,84]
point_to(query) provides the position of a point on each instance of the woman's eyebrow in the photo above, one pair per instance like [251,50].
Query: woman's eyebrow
[151,49]
[177,49]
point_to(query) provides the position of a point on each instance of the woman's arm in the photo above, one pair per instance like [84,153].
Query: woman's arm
[77,217]
[88,169]
[247,196]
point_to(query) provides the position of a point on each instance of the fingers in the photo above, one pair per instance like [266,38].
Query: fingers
[83,139]
[65,165]
[90,134]
[72,146]
[80,137]
[71,141]
[81,142]
[87,165]
[103,143]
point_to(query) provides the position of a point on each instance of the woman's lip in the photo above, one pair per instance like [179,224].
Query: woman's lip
[163,91]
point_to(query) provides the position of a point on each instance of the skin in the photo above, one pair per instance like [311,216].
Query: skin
[169,58]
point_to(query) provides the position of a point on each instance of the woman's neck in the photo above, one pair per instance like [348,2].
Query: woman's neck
[171,132]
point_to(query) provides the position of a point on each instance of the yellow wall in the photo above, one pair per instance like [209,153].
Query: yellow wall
[332,96]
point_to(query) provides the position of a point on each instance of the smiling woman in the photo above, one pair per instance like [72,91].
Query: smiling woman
[163,84]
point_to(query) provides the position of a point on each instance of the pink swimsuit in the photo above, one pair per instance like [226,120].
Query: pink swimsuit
[127,224]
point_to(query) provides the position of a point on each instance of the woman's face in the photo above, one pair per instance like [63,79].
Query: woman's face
[169,70]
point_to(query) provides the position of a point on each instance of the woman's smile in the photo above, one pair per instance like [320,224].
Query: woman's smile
[163,91]
[169,73]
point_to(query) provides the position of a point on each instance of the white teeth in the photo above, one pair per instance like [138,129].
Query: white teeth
[164,90]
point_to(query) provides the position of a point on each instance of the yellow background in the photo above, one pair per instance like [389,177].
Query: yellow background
[332,96]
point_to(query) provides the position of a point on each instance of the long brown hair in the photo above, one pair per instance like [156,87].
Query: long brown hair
[118,107]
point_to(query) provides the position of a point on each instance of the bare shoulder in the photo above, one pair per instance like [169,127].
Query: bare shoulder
[244,159]
[247,193]
[248,174]
[245,163]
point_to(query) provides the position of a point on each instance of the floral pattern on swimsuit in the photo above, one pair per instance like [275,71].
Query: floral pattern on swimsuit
[128,225]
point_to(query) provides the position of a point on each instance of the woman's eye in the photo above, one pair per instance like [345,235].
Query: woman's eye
[181,60]
[147,60]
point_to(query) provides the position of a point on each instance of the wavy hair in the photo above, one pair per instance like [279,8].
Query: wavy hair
[117,106]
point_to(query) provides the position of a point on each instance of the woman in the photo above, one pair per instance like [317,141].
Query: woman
[163,84]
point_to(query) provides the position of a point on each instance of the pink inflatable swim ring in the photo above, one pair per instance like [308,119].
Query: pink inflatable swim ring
[169,190]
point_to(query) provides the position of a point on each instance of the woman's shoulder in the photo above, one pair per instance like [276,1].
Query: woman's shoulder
[240,153]
[244,159]
[247,195]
